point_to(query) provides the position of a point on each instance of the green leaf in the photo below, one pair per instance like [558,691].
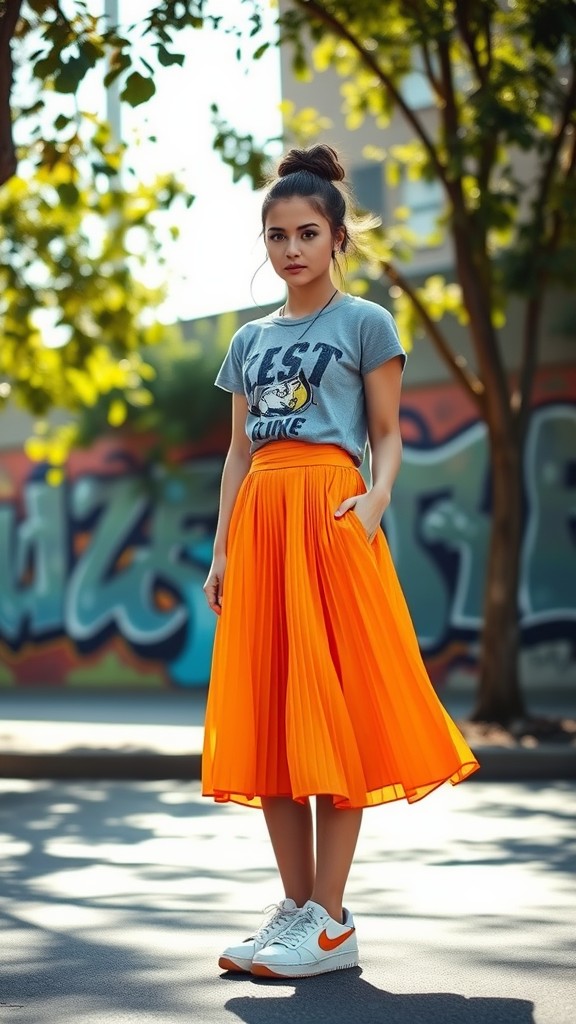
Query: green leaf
[99,167]
[91,52]
[47,66]
[260,51]
[166,58]
[137,89]
[69,194]
[71,73]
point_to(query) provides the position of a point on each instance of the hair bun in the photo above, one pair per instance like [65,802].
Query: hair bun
[321,160]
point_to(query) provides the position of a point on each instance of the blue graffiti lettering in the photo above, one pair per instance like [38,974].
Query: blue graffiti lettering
[34,564]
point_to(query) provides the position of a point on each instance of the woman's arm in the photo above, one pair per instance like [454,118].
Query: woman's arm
[236,465]
[382,388]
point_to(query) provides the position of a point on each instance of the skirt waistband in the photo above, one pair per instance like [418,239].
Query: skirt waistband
[287,454]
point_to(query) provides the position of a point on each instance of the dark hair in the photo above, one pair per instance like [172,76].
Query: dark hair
[317,174]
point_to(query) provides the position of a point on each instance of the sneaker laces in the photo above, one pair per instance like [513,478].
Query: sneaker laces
[298,929]
[276,912]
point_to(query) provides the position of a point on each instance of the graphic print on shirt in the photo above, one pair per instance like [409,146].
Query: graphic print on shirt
[281,398]
[277,386]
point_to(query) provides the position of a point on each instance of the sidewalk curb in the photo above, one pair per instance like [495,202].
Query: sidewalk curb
[504,764]
[497,764]
[104,765]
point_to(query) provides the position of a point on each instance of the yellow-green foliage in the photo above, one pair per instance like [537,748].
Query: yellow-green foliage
[74,317]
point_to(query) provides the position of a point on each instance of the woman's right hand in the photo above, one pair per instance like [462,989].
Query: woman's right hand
[214,584]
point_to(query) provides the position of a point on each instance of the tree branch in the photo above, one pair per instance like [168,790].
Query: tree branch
[451,122]
[456,364]
[460,12]
[314,9]
[522,393]
[8,19]
[450,108]
[416,13]
[432,78]
[548,173]
[522,396]
[473,265]
[489,141]
[488,30]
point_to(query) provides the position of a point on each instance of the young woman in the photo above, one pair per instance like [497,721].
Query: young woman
[318,689]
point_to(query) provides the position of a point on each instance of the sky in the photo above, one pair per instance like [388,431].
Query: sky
[219,249]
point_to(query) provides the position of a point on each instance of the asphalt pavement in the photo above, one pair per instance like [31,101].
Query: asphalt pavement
[117,898]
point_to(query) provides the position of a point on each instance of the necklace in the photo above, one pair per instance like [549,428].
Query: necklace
[313,321]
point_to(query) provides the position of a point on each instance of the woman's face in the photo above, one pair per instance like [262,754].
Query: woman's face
[299,241]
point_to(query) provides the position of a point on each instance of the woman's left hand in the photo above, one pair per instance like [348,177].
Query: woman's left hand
[369,508]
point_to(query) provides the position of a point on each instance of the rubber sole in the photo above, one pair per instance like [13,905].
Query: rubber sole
[229,965]
[261,971]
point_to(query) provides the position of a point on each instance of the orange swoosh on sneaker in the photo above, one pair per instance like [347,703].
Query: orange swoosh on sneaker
[326,943]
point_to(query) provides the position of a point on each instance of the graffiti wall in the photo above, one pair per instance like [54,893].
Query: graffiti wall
[101,577]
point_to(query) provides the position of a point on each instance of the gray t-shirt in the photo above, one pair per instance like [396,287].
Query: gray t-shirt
[303,379]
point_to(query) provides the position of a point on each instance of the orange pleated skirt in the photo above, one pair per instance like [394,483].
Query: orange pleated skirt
[317,683]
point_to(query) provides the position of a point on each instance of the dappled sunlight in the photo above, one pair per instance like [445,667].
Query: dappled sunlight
[458,842]
[123,894]
[102,901]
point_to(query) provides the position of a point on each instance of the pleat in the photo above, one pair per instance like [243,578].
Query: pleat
[317,683]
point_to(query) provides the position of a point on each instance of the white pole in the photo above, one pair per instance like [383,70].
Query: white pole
[113,105]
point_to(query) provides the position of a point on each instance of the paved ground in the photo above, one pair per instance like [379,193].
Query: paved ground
[81,734]
[117,898]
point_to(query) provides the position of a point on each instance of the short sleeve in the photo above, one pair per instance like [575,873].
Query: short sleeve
[229,376]
[379,340]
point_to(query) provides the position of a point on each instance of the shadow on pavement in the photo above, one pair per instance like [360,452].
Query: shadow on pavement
[117,896]
[347,997]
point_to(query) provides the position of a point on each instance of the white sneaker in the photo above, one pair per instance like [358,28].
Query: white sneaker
[239,958]
[313,943]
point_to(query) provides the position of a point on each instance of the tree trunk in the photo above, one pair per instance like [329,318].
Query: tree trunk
[9,14]
[499,697]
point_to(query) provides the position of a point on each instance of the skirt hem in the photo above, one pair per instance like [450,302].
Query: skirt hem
[397,792]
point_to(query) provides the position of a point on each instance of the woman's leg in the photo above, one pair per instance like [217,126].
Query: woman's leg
[291,834]
[336,836]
